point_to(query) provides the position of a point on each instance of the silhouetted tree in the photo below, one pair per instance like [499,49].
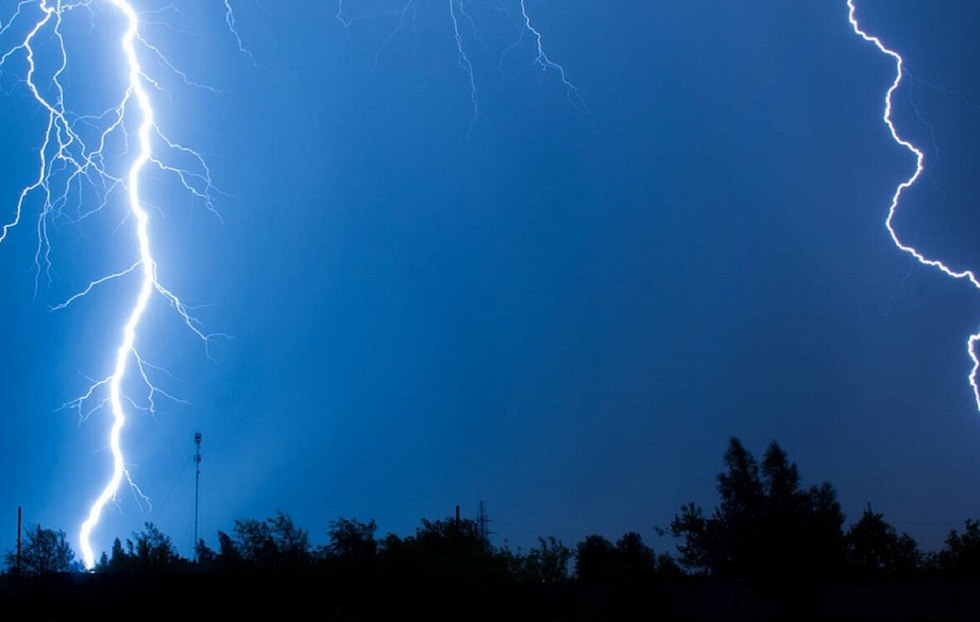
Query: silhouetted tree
[595,558]
[962,552]
[451,537]
[43,551]
[150,551]
[598,561]
[229,559]
[118,561]
[667,567]
[444,548]
[765,524]
[547,562]
[274,545]
[699,549]
[352,541]
[872,546]
[634,558]
[204,556]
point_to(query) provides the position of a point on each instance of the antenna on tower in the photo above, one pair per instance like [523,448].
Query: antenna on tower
[197,489]
[483,523]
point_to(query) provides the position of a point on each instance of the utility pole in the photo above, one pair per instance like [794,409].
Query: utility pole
[456,533]
[20,515]
[197,489]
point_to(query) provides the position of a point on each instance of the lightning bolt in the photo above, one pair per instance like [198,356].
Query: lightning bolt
[147,282]
[67,162]
[968,275]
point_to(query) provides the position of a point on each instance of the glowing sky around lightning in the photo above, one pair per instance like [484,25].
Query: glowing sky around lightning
[446,286]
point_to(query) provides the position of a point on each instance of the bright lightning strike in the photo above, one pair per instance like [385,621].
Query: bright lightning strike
[147,281]
[71,163]
[900,71]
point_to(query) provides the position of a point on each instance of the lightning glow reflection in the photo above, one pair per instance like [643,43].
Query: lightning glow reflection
[67,163]
[900,71]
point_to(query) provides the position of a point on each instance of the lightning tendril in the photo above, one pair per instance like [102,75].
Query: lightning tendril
[460,17]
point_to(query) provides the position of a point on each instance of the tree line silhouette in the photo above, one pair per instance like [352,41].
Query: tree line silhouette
[768,531]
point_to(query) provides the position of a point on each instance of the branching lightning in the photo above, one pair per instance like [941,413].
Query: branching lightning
[459,16]
[67,162]
[572,91]
[900,72]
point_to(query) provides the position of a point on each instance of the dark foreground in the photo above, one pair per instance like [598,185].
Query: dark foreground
[190,597]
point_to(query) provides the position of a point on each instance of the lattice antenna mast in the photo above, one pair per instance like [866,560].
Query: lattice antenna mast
[483,523]
[197,489]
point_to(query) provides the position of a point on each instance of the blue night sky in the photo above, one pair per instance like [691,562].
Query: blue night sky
[565,313]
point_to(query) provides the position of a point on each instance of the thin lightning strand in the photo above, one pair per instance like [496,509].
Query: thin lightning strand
[65,163]
[542,59]
[458,13]
[230,21]
[896,198]
[464,62]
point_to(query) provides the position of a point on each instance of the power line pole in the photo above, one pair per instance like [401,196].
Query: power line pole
[456,534]
[20,515]
[197,489]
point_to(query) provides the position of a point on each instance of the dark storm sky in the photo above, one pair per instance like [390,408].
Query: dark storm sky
[565,314]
